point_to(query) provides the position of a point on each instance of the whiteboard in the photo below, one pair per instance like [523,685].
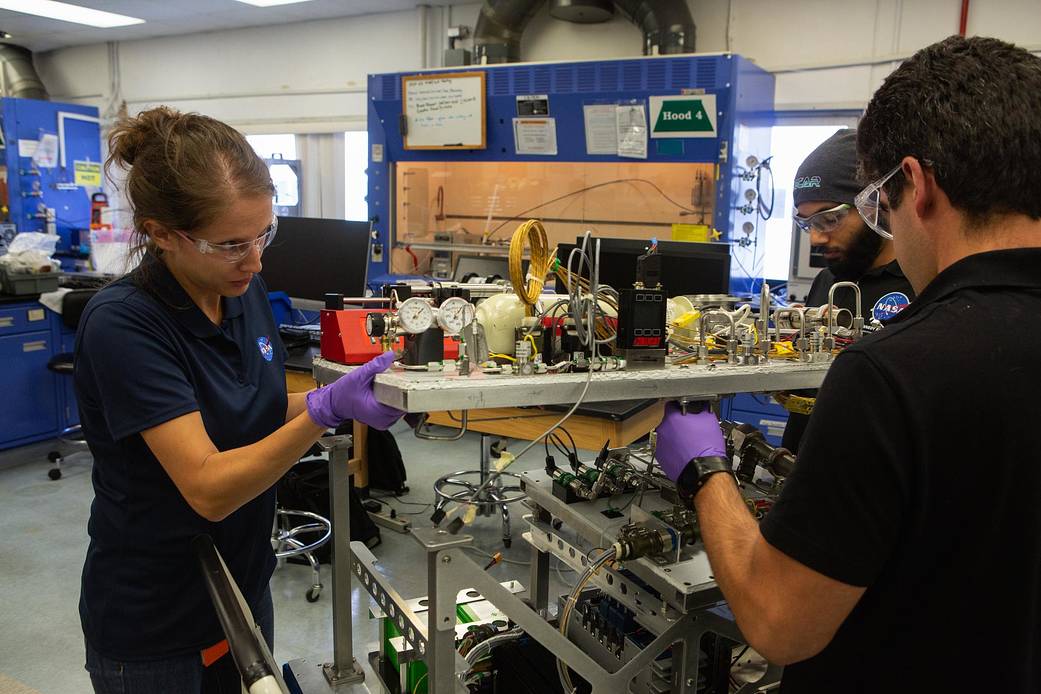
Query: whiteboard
[444,111]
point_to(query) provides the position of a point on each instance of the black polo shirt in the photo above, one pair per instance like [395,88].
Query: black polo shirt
[920,479]
[884,292]
[143,358]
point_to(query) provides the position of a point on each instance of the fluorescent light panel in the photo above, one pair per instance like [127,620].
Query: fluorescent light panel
[271,3]
[69,13]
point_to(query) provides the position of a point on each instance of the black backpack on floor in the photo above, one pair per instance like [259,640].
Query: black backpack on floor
[386,468]
[306,488]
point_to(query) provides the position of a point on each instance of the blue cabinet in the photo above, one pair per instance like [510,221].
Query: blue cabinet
[33,397]
[33,190]
[762,412]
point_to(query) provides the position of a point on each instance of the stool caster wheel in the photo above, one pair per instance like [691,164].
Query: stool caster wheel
[54,473]
[314,592]
[506,542]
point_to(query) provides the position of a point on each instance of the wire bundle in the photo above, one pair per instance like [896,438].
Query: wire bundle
[529,287]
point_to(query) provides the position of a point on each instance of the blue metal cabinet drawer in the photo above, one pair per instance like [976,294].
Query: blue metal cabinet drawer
[771,425]
[28,386]
[23,317]
[759,402]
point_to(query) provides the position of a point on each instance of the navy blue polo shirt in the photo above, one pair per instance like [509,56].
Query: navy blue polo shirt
[145,356]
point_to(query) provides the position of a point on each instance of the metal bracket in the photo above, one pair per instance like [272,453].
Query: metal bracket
[389,600]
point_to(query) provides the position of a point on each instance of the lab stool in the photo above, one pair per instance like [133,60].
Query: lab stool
[71,436]
[72,305]
[286,542]
[495,498]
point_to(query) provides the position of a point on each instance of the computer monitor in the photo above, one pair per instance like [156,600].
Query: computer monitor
[312,257]
[467,266]
[686,267]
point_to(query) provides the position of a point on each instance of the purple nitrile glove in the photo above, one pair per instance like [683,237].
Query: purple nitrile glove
[683,437]
[351,397]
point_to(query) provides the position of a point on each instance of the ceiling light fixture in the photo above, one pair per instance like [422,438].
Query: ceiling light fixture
[69,13]
[271,3]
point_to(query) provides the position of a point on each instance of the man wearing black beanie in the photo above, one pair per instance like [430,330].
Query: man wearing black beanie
[825,186]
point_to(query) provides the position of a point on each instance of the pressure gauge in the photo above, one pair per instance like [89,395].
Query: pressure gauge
[415,315]
[375,325]
[454,315]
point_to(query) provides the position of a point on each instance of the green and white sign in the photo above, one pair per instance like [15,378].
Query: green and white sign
[683,116]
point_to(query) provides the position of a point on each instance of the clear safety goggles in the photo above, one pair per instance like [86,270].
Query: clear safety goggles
[869,203]
[235,252]
[823,222]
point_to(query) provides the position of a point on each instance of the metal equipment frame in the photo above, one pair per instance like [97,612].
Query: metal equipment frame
[677,618]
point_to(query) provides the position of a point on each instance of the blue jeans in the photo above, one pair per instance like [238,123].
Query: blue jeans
[183,674]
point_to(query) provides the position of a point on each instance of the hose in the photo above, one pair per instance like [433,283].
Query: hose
[569,606]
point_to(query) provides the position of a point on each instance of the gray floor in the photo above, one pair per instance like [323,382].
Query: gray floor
[43,541]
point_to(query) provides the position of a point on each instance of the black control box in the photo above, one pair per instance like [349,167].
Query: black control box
[641,319]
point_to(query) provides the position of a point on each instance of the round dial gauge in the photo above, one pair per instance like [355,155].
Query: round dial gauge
[375,325]
[415,315]
[454,315]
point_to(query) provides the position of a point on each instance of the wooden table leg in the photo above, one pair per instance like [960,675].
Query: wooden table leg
[360,460]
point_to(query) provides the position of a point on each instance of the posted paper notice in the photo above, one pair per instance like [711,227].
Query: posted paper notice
[631,120]
[535,136]
[601,129]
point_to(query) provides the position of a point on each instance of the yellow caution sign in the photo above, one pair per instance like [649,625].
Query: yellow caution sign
[88,174]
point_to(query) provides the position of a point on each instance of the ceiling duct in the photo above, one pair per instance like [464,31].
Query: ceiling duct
[667,25]
[18,76]
[582,11]
[499,27]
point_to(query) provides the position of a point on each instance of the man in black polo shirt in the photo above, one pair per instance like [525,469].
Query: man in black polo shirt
[825,186]
[905,551]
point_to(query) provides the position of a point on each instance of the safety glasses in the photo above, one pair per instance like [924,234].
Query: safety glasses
[234,252]
[823,222]
[869,203]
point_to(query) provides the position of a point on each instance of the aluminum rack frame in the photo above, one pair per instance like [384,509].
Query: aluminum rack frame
[450,570]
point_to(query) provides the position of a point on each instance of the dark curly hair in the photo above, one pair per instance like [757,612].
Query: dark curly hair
[971,107]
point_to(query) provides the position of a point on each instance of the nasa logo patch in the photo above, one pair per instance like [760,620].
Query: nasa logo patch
[266,350]
[890,305]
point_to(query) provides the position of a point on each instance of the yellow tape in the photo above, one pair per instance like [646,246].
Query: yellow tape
[796,403]
[504,461]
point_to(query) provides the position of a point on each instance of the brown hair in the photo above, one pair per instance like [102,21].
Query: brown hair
[182,169]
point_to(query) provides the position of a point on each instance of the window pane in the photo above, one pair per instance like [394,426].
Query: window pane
[274,146]
[287,187]
[356,161]
[789,145]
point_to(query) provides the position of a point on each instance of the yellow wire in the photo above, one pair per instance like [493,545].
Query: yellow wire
[415,690]
[534,347]
[529,287]
[501,356]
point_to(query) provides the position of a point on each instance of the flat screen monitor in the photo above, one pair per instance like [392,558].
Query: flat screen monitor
[311,257]
[486,266]
[686,267]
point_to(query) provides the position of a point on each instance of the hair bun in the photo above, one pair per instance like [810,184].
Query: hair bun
[130,136]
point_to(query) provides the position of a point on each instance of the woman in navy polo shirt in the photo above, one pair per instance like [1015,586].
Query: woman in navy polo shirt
[181,388]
